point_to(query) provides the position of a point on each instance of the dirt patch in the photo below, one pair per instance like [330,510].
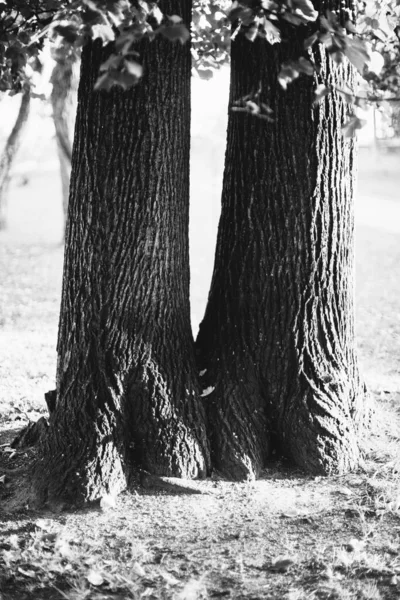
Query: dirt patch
[286,535]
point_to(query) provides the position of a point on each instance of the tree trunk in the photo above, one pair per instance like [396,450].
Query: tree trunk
[277,340]
[127,387]
[64,78]
[10,151]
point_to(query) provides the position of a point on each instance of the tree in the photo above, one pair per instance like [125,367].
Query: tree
[10,151]
[276,347]
[277,340]
[64,79]
[127,384]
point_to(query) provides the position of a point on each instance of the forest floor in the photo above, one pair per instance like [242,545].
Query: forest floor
[286,536]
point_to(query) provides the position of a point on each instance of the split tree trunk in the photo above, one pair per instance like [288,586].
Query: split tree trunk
[277,340]
[127,387]
[10,151]
[64,78]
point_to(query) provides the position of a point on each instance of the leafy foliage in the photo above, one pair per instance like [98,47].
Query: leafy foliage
[210,36]
[24,25]
[371,44]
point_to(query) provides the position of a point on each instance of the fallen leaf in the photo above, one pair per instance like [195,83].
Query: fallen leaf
[295,512]
[170,579]
[27,573]
[108,501]
[138,569]
[354,545]
[345,491]
[95,578]
[44,524]
[13,541]
[64,548]
[281,565]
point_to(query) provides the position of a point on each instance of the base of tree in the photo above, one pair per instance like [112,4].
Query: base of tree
[323,438]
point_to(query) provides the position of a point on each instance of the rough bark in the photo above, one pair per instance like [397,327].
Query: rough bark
[10,151]
[127,387]
[277,339]
[64,79]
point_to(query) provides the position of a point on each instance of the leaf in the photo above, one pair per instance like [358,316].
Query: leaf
[376,62]
[310,41]
[244,13]
[138,569]
[293,513]
[175,33]
[320,92]
[13,541]
[357,53]
[347,94]
[112,62]
[354,545]
[49,537]
[304,66]
[175,19]
[64,548]
[68,32]
[291,18]
[272,33]
[350,27]
[345,491]
[41,97]
[325,24]
[208,391]
[287,74]
[44,524]
[254,109]
[27,573]
[170,579]
[337,56]
[205,74]
[124,41]
[305,9]
[108,501]
[282,565]
[349,129]
[92,5]
[104,82]
[252,32]
[95,578]
[104,32]
[193,590]
[157,15]
[2,479]
[134,68]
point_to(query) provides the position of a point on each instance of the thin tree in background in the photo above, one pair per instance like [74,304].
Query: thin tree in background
[10,151]
[64,80]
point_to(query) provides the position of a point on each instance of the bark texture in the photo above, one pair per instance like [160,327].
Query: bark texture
[64,79]
[277,340]
[127,387]
[10,151]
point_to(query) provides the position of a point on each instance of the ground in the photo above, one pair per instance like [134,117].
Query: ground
[286,536]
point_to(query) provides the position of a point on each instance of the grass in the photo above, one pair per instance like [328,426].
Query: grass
[286,536]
